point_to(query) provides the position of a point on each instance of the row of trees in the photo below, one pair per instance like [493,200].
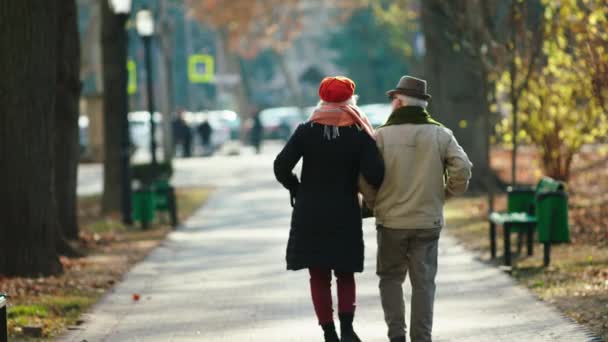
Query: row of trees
[39,95]
[39,149]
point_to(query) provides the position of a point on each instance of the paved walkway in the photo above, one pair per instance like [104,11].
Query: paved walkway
[221,278]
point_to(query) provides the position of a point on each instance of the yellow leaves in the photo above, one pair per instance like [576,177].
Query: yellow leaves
[564,11]
[548,11]
[518,61]
[593,30]
[521,135]
[552,112]
[589,139]
[597,17]
[561,41]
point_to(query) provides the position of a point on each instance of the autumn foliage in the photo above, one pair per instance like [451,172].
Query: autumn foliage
[561,107]
[250,26]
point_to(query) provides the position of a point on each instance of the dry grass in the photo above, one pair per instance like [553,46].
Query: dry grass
[576,282]
[56,303]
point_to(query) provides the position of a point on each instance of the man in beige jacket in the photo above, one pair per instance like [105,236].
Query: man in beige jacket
[424,166]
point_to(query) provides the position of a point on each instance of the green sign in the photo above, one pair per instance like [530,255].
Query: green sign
[201,68]
[132,82]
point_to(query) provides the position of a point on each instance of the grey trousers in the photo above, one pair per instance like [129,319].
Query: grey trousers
[400,251]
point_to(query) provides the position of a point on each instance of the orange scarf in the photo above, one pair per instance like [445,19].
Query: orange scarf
[342,115]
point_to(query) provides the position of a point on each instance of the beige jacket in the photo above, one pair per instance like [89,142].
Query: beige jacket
[417,158]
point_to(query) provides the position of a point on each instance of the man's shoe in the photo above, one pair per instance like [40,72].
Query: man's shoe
[347,333]
[329,332]
[398,339]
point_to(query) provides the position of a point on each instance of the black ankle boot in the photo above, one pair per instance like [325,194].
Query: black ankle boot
[347,333]
[398,339]
[329,331]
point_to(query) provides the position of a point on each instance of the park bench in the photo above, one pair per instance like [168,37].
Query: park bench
[3,319]
[544,209]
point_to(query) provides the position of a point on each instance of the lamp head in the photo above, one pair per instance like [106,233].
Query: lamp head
[144,22]
[120,6]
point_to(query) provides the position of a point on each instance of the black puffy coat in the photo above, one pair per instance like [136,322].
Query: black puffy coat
[326,221]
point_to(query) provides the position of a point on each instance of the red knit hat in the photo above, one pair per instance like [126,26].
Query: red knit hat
[336,89]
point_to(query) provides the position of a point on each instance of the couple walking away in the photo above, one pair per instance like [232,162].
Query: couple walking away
[405,171]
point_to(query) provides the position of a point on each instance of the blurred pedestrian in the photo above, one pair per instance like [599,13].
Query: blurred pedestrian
[178,130]
[257,130]
[187,146]
[181,134]
[205,132]
[336,146]
[426,166]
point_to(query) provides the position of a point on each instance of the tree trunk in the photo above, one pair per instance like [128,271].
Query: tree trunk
[66,116]
[27,103]
[115,103]
[290,80]
[456,82]
[234,66]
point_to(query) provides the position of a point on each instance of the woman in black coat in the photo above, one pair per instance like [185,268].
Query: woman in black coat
[337,146]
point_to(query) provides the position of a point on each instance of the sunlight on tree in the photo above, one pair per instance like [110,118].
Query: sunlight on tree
[399,17]
[560,109]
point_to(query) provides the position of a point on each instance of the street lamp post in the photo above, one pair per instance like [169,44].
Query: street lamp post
[145,28]
[122,9]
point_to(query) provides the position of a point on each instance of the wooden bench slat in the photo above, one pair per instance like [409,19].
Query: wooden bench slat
[501,218]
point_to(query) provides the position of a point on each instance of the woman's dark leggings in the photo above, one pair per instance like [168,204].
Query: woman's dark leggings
[320,288]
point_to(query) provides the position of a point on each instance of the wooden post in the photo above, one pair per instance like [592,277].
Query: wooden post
[3,322]
[530,239]
[493,239]
[547,256]
[507,236]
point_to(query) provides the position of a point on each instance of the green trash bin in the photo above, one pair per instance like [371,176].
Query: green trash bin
[552,217]
[164,194]
[144,206]
[160,189]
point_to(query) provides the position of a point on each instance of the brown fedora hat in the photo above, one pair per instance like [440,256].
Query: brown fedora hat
[411,86]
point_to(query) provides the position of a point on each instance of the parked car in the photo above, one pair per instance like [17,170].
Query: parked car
[139,129]
[229,119]
[281,122]
[377,113]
